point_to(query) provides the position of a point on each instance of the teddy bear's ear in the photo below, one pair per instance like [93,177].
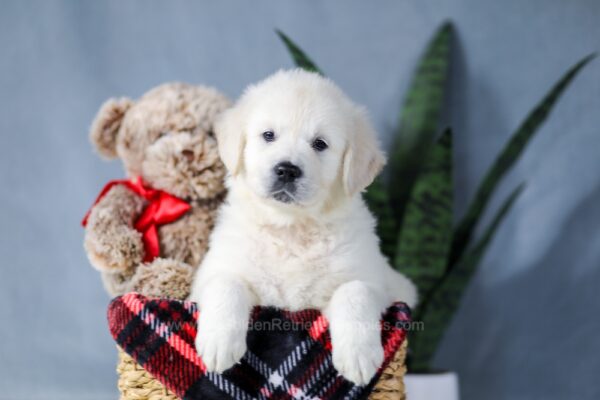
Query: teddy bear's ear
[229,130]
[105,127]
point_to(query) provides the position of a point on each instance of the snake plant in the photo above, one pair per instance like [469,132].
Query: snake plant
[413,200]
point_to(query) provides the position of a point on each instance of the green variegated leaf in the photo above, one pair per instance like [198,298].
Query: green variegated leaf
[419,118]
[376,197]
[426,232]
[300,58]
[506,159]
[438,308]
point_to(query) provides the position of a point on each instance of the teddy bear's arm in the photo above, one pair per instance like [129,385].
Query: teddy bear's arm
[111,242]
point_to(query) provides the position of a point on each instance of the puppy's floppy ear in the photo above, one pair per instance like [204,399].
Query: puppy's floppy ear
[363,159]
[105,127]
[230,138]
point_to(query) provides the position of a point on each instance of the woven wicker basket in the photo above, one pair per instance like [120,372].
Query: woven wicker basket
[135,383]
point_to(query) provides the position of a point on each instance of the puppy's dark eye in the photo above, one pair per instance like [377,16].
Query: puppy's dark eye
[319,144]
[269,136]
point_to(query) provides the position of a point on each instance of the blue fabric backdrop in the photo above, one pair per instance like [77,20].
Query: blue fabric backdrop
[529,325]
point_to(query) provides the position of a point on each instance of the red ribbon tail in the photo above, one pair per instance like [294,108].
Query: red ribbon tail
[151,244]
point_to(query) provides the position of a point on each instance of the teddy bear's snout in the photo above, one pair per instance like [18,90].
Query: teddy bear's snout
[184,164]
[188,154]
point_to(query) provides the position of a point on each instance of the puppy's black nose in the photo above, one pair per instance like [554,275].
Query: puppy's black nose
[287,172]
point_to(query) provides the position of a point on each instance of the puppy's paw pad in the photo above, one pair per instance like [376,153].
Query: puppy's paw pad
[358,364]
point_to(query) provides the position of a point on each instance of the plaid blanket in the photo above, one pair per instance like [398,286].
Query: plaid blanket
[288,357]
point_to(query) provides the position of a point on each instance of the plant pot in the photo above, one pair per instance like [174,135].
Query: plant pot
[434,386]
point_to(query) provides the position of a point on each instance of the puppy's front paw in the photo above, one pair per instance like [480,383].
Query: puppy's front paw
[220,345]
[357,358]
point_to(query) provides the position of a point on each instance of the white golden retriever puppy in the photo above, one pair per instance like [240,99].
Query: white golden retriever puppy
[294,231]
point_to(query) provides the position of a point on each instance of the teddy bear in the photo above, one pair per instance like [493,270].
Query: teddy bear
[149,232]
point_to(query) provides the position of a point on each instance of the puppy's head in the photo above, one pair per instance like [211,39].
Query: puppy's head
[296,140]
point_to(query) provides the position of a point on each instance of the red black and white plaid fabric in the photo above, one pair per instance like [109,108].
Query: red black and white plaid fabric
[288,357]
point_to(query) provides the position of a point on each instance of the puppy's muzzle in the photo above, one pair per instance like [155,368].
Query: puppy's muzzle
[284,185]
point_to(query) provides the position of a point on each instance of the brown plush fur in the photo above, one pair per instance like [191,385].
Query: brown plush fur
[166,138]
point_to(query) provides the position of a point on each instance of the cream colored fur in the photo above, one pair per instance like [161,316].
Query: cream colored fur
[318,251]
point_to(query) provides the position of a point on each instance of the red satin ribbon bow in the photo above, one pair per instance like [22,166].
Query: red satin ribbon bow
[162,208]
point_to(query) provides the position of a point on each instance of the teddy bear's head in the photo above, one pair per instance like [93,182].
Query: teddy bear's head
[166,137]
